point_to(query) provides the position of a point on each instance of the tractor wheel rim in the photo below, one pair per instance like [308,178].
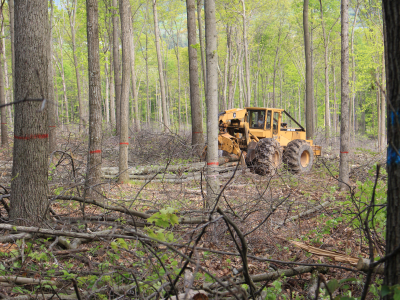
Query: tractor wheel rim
[305,159]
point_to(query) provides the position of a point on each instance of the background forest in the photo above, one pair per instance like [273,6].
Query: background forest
[274,42]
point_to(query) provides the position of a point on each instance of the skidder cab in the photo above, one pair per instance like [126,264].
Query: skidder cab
[265,140]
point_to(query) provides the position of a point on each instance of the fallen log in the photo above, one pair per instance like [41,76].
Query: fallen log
[26,280]
[14,237]
[363,265]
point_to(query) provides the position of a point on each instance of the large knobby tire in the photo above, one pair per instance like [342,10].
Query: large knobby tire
[298,156]
[268,157]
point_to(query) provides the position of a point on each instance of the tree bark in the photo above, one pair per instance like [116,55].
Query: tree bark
[30,161]
[107,98]
[117,79]
[72,23]
[246,56]
[135,104]
[195,104]
[93,174]
[335,119]
[160,68]
[124,11]
[3,112]
[344,111]
[309,82]
[52,103]
[202,48]
[212,102]
[11,12]
[392,41]
[326,60]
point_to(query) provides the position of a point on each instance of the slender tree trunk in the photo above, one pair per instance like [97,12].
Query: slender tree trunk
[309,85]
[52,103]
[93,174]
[112,94]
[274,78]
[202,48]
[160,68]
[136,118]
[28,202]
[335,118]
[230,68]
[326,60]
[179,81]
[212,103]
[11,16]
[195,101]
[353,62]
[107,99]
[344,111]
[3,112]
[147,84]
[383,106]
[246,56]
[72,22]
[63,82]
[124,11]
[225,85]
[117,78]
[5,68]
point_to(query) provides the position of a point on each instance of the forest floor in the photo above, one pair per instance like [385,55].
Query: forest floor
[137,258]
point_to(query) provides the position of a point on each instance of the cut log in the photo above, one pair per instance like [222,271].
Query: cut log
[363,265]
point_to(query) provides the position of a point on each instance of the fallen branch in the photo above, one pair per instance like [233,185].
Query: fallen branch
[303,214]
[25,280]
[14,237]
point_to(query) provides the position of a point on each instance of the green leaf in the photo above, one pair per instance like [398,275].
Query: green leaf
[333,284]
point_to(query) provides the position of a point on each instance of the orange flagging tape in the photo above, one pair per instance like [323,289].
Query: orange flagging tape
[32,136]
[95,151]
[343,152]
[124,143]
[213,163]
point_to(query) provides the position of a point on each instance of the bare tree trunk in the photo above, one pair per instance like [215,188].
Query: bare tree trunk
[225,85]
[383,106]
[124,11]
[392,40]
[274,78]
[195,101]
[309,85]
[202,48]
[63,82]
[11,16]
[147,84]
[230,68]
[72,23]
[160,68]
[52,106]
[93,173]
[335,119]
[117,78]
[5,68]
[136,118]
[112,94]
[30,154]
[107,99]
[326,60]
[3,113]
[246,56]
[212,103]
[353,61]
[344,111]
[179,81]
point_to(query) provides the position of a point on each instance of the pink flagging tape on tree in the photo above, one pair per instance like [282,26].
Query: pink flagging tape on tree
[32,136]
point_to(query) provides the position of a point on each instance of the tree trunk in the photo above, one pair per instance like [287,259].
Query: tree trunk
[147,85]
[93,174]
[11,16]
[72,23]
[392,40]
[274,78]
[246,56]
[202,48]
[112,92]
[335,119]
[344,111]
[107,98]
[195,102]
[326,60]
[179,81]
[135,104]
[117,78]
[52,103]
[353,62]
[7,85]
[28,202]
[160,68]
[309,85]
[212,103]
[230,68]
[124,11]
[3,112]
